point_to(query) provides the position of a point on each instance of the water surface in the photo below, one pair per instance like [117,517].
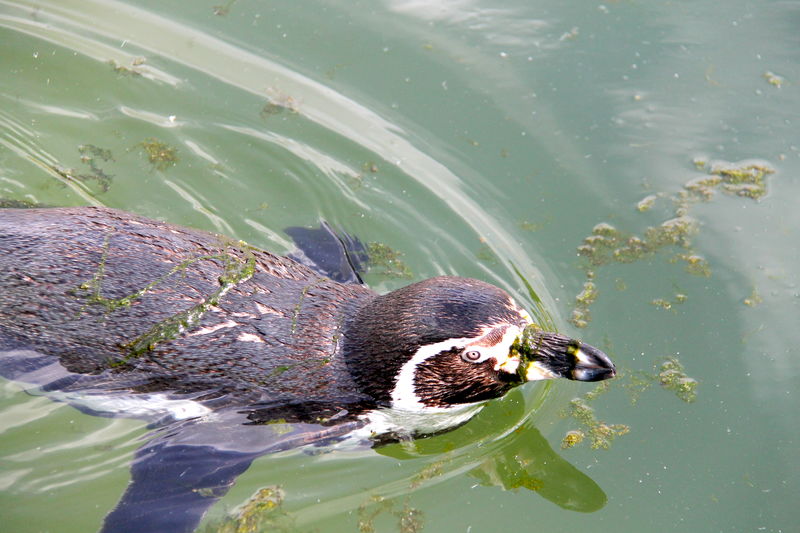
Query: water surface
[475,138]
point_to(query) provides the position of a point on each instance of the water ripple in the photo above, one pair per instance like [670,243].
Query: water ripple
[141,29]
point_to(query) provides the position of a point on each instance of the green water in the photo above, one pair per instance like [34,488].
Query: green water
[474,137]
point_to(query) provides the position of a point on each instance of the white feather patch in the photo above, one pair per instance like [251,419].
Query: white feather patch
[409,422]
[134,405]
[404,396]
[249,337]
[212,329]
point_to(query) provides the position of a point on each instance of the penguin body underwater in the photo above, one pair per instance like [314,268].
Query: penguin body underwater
[204,335]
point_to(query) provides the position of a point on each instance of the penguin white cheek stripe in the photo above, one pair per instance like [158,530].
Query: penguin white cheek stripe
[404,396]
[408,414]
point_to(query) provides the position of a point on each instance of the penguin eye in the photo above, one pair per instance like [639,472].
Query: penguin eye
[471,355]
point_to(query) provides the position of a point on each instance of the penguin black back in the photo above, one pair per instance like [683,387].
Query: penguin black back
[154,306]
[100,303]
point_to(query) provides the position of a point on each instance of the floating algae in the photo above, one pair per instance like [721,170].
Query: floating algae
[10,203]
[667,305]
[669,374]
[754,299]
[263,512]
[527,225]
[606,244]
[486,254]
[430,471]
[581,315]
[599,433]
[90,154]
[223,10]
[388,259]
[673,378]
[279,102]
[646,203]
[132,70]
[410,520]
[748,179]
[773,79]
[572,438]
[159,154]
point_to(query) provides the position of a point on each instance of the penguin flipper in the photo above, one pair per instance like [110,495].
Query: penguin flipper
[172,486]
[338,256]
[190,464]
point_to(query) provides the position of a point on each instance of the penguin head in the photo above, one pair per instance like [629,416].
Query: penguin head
[447,342]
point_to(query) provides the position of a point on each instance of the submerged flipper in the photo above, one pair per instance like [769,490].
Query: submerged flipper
[338,256]
[172,487]
[179,474]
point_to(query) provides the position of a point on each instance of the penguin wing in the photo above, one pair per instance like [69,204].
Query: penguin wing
[172,486]
[188,465]
[338,256]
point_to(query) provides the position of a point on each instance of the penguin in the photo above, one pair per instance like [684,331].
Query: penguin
[204,335]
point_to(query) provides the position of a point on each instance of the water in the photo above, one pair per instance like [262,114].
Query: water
[474,138]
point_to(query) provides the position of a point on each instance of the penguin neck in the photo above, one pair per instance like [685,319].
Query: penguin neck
[380,337]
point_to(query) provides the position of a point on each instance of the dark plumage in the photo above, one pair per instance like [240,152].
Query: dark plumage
[427,312]
[101,302]
[73,283]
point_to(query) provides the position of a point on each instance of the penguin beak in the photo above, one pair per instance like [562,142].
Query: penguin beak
[591,364]
[547,355]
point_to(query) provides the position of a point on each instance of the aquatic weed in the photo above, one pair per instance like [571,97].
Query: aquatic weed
[160,155]
[606,244]
[673,378]
[262,512]
[599,433]
[387,259]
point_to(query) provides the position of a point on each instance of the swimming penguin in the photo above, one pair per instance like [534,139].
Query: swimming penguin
[210,337]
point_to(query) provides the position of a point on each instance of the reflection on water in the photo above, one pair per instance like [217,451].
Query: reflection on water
[477,138]
[521,460]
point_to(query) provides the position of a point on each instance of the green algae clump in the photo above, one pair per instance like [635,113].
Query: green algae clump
[673,378]
[703,186]
[223,10]
[572,438]
[754,299]
[581,314]
[600,434]
[90,154]
[388,259]
[606,244]
[646,203]
[279,102]
[410,520]
[430,471]
[746,179]
[159,154]
[669,374]
[667,305]
[773,79]
[695,265]
[262,512]
[133,70]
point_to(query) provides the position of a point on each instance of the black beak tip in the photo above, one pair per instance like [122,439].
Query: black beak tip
[592,364]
